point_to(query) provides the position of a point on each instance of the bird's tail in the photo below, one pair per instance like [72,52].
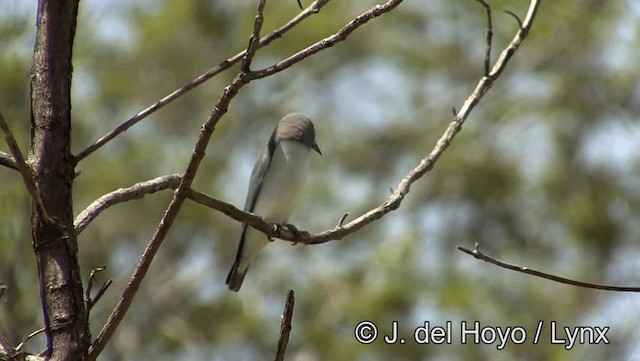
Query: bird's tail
[236,276]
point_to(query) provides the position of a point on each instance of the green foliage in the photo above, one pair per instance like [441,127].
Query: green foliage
[544,174]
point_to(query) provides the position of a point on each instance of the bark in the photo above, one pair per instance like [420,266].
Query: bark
[54,242]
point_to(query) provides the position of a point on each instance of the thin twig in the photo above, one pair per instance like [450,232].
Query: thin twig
[339,36]
[515,16]
[343,218]
[285,326]
[92,276]
[7,161]
[88,301]
[487,54]
[136,191]
[510,266]
[312,9]
[99,294]
[23,168]
[29,337]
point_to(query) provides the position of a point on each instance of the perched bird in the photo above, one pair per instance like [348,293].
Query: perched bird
[276,183]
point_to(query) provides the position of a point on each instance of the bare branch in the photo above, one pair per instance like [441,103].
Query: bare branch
[88,301]
[5,346]
[136,191]
[184,188]
[343,218]
[29,337]
[341,35]
[314,8]
[254,39]
[285,326]
[7,161]
[515,16]
[487,55]
[510,266]
[23,168]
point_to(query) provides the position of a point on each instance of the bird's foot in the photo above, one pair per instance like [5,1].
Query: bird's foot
[297,234]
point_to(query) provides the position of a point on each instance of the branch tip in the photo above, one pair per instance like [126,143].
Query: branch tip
[515,16]
[285,326]
[476,253]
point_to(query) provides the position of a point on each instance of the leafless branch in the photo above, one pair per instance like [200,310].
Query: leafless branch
[5,345]
[254,40]
[88,301]
[487,55]
[515,16]
[7,161]
[22,167]
[29,337]
[343,218]
[285,326]
[314,8]
[136,191]
[183,189]
[171,181]
[339,36]
[523,269]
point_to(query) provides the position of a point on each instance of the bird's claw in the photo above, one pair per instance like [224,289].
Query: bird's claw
[297,234]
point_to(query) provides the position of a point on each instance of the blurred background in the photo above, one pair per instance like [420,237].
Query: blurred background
[546,173]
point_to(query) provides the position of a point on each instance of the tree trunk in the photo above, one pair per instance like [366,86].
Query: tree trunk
[54,241]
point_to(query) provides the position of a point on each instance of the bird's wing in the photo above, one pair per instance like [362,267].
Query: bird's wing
[259,170]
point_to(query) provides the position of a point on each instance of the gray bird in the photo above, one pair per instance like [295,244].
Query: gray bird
[276,183]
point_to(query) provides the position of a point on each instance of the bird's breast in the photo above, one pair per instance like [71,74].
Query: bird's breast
[283,182]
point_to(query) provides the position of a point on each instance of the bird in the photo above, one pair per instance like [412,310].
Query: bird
[275,186]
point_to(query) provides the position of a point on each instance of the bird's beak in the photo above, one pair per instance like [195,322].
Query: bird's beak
[315,147]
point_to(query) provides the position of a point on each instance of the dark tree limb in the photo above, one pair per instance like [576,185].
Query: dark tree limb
[523,269]
[54,243]
[22,167]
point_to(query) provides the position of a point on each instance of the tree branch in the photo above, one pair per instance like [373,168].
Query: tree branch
[285,326]
[523,269]
[136,191]
[314,8]
[254,40]
[489,39]
[7,161]
[22,167]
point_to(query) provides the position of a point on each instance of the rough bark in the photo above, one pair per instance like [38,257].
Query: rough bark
[54,242]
